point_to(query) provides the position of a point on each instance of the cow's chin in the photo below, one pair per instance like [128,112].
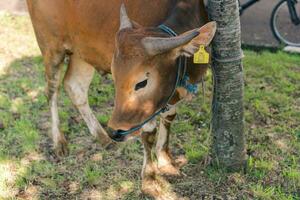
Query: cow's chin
[134,135]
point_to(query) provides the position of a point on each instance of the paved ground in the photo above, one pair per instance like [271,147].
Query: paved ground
[255,20]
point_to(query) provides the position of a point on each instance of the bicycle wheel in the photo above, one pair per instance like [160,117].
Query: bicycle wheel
[284,30]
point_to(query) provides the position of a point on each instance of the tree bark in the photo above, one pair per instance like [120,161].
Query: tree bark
[228,144]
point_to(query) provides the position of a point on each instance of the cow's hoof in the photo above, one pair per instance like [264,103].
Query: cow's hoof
[61,149]
[169,170]
[158,188]
[152,187]
[181,161]
[111,146]
[106,143]
[104,140]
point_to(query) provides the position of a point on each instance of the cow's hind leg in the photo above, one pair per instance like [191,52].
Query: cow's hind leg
[165,163]
[77,81]
[54,63]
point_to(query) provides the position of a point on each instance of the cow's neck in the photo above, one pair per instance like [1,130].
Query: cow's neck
[188,15]
[185,16]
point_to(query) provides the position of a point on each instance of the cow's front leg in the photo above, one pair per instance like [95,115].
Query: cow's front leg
[148,139]
[77,81]
[148,164]
[165,163]
[149,182]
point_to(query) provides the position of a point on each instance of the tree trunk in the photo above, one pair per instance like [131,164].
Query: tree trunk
[228,148]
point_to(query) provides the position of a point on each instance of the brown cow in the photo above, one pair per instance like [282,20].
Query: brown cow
[141,57]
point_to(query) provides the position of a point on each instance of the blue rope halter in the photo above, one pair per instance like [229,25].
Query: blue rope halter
[192,88]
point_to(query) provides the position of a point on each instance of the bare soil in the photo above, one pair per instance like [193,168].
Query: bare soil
[13,6]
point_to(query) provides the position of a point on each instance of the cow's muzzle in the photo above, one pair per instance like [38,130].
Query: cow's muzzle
[116,135]
[121,135]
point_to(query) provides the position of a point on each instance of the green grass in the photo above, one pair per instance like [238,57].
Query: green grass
[29,170]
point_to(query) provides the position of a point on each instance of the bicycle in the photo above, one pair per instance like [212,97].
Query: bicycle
[284,20]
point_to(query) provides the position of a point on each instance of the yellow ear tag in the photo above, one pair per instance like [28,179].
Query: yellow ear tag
[201,56]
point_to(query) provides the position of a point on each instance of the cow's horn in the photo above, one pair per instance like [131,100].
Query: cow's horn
[157,45]
[124,19]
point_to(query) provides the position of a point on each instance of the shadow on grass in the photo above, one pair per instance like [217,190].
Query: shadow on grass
[89,171]
[29,169]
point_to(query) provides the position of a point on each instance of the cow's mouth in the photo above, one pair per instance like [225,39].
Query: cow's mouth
[122,135]
[116,135]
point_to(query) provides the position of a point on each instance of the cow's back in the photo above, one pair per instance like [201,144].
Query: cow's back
[87,28]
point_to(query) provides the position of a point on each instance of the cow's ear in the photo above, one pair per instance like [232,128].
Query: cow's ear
[185,44]
[205,36]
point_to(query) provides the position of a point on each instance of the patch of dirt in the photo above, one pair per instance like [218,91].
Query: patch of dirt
[13,6]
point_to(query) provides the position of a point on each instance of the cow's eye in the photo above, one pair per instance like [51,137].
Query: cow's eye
[141,85]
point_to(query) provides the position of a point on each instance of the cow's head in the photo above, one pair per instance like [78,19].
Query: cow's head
[144,68]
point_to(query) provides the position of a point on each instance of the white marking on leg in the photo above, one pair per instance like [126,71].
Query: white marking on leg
[163,130]
[145,162]
[161,145]
[148,141]
[77,82]
[150,126]
[90,120]
[56,134]
[162,139]
[53,83]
